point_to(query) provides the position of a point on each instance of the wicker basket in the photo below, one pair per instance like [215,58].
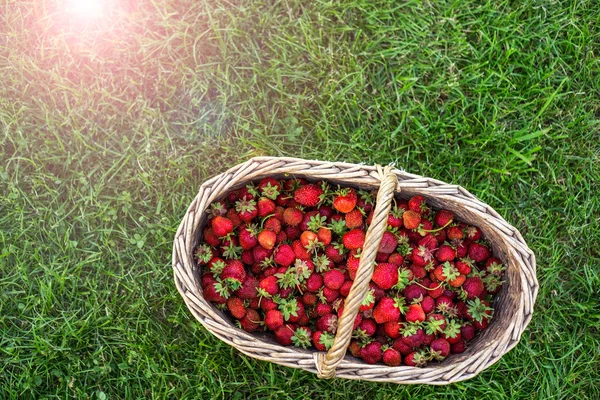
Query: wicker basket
[514,304]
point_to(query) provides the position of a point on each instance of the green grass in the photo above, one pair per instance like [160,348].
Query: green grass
[108,129]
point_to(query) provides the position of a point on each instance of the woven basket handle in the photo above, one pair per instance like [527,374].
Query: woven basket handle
[327,362]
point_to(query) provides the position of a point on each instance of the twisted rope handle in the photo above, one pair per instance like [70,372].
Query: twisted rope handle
[326,363]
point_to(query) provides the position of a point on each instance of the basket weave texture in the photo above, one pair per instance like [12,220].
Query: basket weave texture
[513,305]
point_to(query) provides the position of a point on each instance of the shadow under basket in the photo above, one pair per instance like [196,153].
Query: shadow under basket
[513,305]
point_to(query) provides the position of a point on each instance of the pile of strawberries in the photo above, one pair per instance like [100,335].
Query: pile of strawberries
[281,256]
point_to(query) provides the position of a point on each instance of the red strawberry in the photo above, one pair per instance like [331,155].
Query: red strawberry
[392,357]
[335,252]
[215,292]
[421,256]
[464,265]
[472,233]
[251,321]
[428,304]
[247,237]
[354,239]
[385,275]
[323,309]
[269,187]
[392,329]
[355,348]
[415,359]
[265,206]
[322,340]
[309,240]
[415,313]
[333,279]
[454,233]
[352,263]
[302,337]
[273,224]
[283,334]
[327,323]
[236,307]
[473,287]
[467,332]
[292,232]
[284,255]
[417,204]
[436,290]
[445,253]
[267,304]
[314,283]
[307,225]
[292,216]
[246,209]
[325,211]
[300,251]
[443,218]
[479,252]
[414,292]
[440,349]
[267,239]
[221,226]
[459,347]
[354,219]
[368,326]
[396,259]
[210,237]
[249,287]
[461,249]
[478,311]
[345,289]
[388,243]
[411,219]
[494,266]
[371,353]
[309,299]
[234,269]
[324,235]
[402,347]
[345,200]
[388,309]
[308,195]
[413,336]
[268,286]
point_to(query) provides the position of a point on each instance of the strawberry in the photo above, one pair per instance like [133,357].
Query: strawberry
[445,253]
[265,207]
[324,235]
[385,275]
[371,353]
[494,266]
[248,192]
[323,309]
[464,265]
[333,279]
[216,292]
[268,287]
[267,239]
[293,216]
[234,270]
[415,359]
[421,256]
[273,224]
[221,226]
[428,304]
[368,326]
[300,251]
[345,200]
[309,299]
[210,237]
[458,281]
[267,304]
[452,332]
[443,218]
[368,302]
[308,195]
[388,309]
[345,289]
[461,249]
[354,239]
[283,334]
[335,252]
[458,347]
[269,187]
[388,243]
[395,217]
[314,283]
[411,219]
[472,233]
[236,307]
[454,233]
[354,219]
[392,357]
[414,292]
[302,337]
[309,240]
[251,321]
[292,232]
[412,335]
[403,348]
[479,252]
[322,340]
[327,323]
[478,311]
[249,287]
[284,255]
[440,349]
[467,331]
[415,313]
[417,204]
[473,287]
[436,289]
[247,236]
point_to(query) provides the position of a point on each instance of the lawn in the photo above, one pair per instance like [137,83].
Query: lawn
[109,126]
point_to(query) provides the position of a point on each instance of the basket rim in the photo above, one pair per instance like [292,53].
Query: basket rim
[455,368]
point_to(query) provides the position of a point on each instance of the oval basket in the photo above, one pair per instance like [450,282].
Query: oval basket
[514,303]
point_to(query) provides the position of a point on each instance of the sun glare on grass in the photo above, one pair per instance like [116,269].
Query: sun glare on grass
[86,9]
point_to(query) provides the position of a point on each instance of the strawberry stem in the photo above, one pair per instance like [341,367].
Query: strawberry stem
[438,229]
